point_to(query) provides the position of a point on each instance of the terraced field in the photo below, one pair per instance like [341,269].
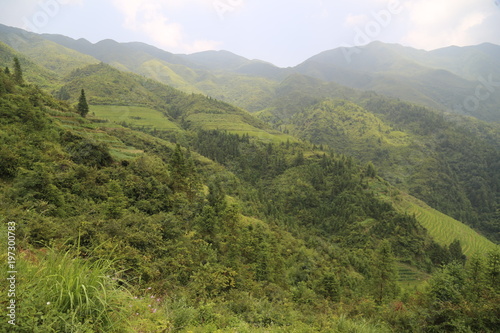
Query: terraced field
[93,131]
[445,229]
[136,115]
[236,124]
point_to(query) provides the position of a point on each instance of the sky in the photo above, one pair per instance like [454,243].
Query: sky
[283,32]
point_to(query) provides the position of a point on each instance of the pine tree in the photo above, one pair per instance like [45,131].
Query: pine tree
[217,198]
[63,94]
[476,279]
[117,201]
[456,252]
[370,170]
[178,164]
[385,274]
[18,72]
[83,107]
[2,83]
[493,269]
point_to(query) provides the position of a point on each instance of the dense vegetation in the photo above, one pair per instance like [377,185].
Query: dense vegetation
[451,163]
[431,167]
[120,230]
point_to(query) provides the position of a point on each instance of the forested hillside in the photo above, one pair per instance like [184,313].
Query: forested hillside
[450,163]
[216,221]
[447,79]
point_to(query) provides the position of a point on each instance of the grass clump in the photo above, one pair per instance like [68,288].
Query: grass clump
[60,292]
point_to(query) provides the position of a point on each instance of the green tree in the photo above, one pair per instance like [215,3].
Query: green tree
[3,90]
[116,202]
[370,170]
[18,72]
[82,107]
[179,169]
[299,158]
[456,252]
[447,285]
[330,286]
[493,269]
[63,94]
[385,274]
[476,281]
[216,197]
[208,221]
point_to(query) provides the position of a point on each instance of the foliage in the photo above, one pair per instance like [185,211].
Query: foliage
[18,72]
[210,230]
[450,163]
[82,107]
[60,292]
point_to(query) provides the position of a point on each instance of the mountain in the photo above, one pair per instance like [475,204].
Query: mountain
[227,61]
[453,79]
[106,85]
[53,56]
[220,74]
[446,79]
[453,166]
[280,102]
[469,62]
[163,210]
[37,74]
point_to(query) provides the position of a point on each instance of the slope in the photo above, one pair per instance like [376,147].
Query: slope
[451,164]
[50,55]
[442,228]
[222,75]
[105,85]
[32,72]
[166,222]
[431,79]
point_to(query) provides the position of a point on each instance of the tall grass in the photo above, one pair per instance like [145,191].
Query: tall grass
[60,292]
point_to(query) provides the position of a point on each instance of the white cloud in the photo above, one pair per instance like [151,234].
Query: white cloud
[356,20]
[149,17]
[70,2]
[434,24]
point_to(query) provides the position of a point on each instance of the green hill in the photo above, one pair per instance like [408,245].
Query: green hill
[125,229]
[442,228]
[445,161]
[105,85]
[52,56]
[32,72]
[221,75]
[445,229]
[441,79]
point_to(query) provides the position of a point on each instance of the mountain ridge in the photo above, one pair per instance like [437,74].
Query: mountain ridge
[446,79]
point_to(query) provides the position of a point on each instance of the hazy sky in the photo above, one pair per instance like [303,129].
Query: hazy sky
[284,32]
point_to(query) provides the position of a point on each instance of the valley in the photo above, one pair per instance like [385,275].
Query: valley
[209,192]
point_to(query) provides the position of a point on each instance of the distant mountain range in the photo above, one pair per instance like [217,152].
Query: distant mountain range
[245,195]
[463,80]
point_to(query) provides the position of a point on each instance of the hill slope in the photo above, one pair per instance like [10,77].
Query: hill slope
[106,85]
[428,78]
[118,230]
[449,163]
